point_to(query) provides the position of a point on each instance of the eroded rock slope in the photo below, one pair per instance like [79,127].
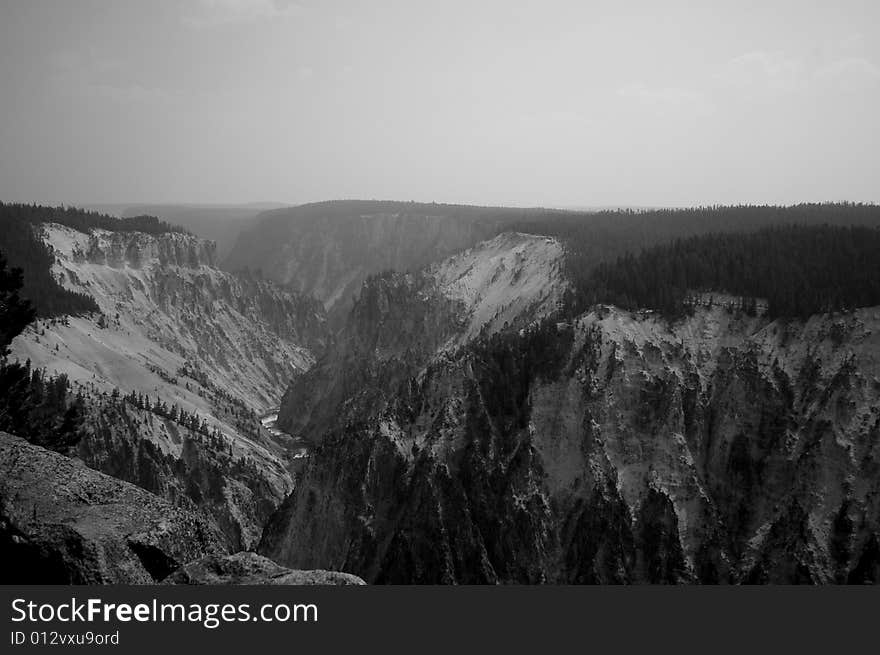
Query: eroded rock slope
[181,338]
[618,447]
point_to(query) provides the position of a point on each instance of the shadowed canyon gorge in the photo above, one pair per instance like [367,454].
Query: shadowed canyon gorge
[464,395]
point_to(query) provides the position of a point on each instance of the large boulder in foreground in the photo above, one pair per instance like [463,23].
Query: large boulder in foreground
[63,523]
[248,568]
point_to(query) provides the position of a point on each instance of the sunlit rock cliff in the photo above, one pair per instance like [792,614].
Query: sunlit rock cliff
[182,338]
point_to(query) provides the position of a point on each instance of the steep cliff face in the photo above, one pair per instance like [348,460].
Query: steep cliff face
[328,249]
[618,448]
[185,339]
[63,523]
[402,321]
[167,308]
[132,249]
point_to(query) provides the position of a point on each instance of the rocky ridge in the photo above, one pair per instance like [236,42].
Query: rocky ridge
[63,523]
[251,569]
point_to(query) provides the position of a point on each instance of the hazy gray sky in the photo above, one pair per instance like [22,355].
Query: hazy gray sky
[496,102]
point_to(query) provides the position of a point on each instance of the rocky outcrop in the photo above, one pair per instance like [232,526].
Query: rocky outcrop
[138,249]
[63,523]
[248,568]
[617,448]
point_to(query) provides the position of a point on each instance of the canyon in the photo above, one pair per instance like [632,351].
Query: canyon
[180,333]
[451,421]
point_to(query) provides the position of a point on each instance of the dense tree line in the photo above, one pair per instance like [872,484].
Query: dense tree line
[83,220]
[41,408]
[32,405]
[800,270]
[15,311]
[591,239]
[30,255]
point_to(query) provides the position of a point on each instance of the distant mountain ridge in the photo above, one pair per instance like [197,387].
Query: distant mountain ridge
[328,249]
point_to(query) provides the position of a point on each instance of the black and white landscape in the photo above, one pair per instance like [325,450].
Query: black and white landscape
[647,391]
